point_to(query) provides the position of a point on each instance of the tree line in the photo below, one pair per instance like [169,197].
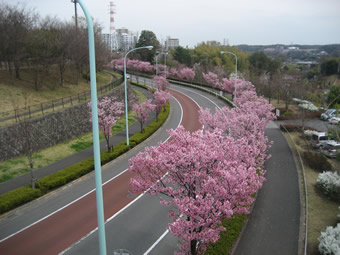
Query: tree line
[39,43]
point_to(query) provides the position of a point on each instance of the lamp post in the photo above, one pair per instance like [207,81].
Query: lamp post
[164,53]
[125,87]
[95,128]
[222,52]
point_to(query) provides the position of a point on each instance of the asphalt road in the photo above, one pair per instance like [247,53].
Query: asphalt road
[142,223]
[35,241]
[272,227]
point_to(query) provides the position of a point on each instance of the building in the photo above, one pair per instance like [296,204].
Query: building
[107,40]
[124,39]
[171,43]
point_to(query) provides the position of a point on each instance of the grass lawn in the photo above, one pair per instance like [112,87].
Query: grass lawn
[322,212]
[20,165]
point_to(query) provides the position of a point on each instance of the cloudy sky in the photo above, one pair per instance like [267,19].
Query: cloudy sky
[193,21]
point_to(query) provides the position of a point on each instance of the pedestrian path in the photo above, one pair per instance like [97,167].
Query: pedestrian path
[75,158]
[273,226]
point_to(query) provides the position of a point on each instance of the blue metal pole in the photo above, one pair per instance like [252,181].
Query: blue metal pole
[125,88]
[95,128]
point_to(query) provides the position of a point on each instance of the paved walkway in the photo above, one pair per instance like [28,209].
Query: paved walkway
[73,159]
[274,224]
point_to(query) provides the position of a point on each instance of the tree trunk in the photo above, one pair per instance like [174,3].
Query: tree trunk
[30,159]
[141,127]
[107,138]
[193,248]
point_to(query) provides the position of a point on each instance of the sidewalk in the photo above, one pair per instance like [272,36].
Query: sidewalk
[274,224]
[75,158]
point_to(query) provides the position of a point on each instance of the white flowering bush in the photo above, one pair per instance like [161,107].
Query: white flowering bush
[330,241]
[329,184]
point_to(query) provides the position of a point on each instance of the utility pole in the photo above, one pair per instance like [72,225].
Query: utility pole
[75,13]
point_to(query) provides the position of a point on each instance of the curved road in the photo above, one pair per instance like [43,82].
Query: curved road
[140,226]
[78,218]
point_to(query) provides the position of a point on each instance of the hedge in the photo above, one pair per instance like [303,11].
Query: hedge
[295,128]
[317,161]
[22,195]
[17,197]
[228,238]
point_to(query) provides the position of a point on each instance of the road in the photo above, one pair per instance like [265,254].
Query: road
[140,227]
[40,237]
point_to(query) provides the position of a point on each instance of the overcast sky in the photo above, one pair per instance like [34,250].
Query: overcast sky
[193,21]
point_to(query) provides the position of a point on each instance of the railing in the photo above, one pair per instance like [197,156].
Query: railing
[54,105]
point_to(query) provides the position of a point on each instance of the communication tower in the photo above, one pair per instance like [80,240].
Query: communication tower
[114,43]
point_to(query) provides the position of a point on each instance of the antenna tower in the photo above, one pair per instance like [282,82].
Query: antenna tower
[114,44]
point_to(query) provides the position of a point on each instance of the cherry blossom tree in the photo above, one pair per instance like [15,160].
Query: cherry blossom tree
[142,112]
[161,99]
[160,82]
[248,121]
[186,74]
[212,79]
[109,111]
[207,176]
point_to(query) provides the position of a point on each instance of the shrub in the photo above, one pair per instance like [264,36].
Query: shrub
[337,157]
[317,161]
[295,128]
[329,184]
[330,241]
[17,197]
[233,227]
[66,175]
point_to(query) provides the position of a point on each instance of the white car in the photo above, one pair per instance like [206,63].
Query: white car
[330,148]
[328,114]
[334,120]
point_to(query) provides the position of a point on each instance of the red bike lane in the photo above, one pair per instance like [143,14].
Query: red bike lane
[62,229]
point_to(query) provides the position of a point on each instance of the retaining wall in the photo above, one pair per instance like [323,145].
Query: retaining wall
[48,130]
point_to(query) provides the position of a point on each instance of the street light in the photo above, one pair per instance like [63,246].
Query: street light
[125,87]
[164,53]
[95,128]
[222,52]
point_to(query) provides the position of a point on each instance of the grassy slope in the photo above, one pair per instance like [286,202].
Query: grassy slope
[13,91]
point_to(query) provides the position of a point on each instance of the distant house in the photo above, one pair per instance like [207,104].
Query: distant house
[171,43]
[293,48]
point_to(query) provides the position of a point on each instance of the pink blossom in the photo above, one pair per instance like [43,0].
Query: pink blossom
[160,82]
[186,74]
[142,111]
[161,99]
[207,176]
[109,111]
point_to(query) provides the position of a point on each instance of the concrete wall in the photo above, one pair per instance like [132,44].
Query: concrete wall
[48,130]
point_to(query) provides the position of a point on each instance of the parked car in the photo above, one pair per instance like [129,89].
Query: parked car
[334,120]
[328,114]
[318,138]
[330,148]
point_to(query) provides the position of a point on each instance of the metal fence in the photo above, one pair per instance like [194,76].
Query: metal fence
[54,105]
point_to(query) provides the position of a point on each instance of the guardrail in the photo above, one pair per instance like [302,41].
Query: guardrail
[43,108]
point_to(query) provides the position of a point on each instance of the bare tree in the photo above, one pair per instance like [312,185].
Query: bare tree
[16,23]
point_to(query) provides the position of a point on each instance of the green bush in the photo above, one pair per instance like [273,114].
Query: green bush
[66,175]
[17,197]
[317,161]
[233,227]
[338,157]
